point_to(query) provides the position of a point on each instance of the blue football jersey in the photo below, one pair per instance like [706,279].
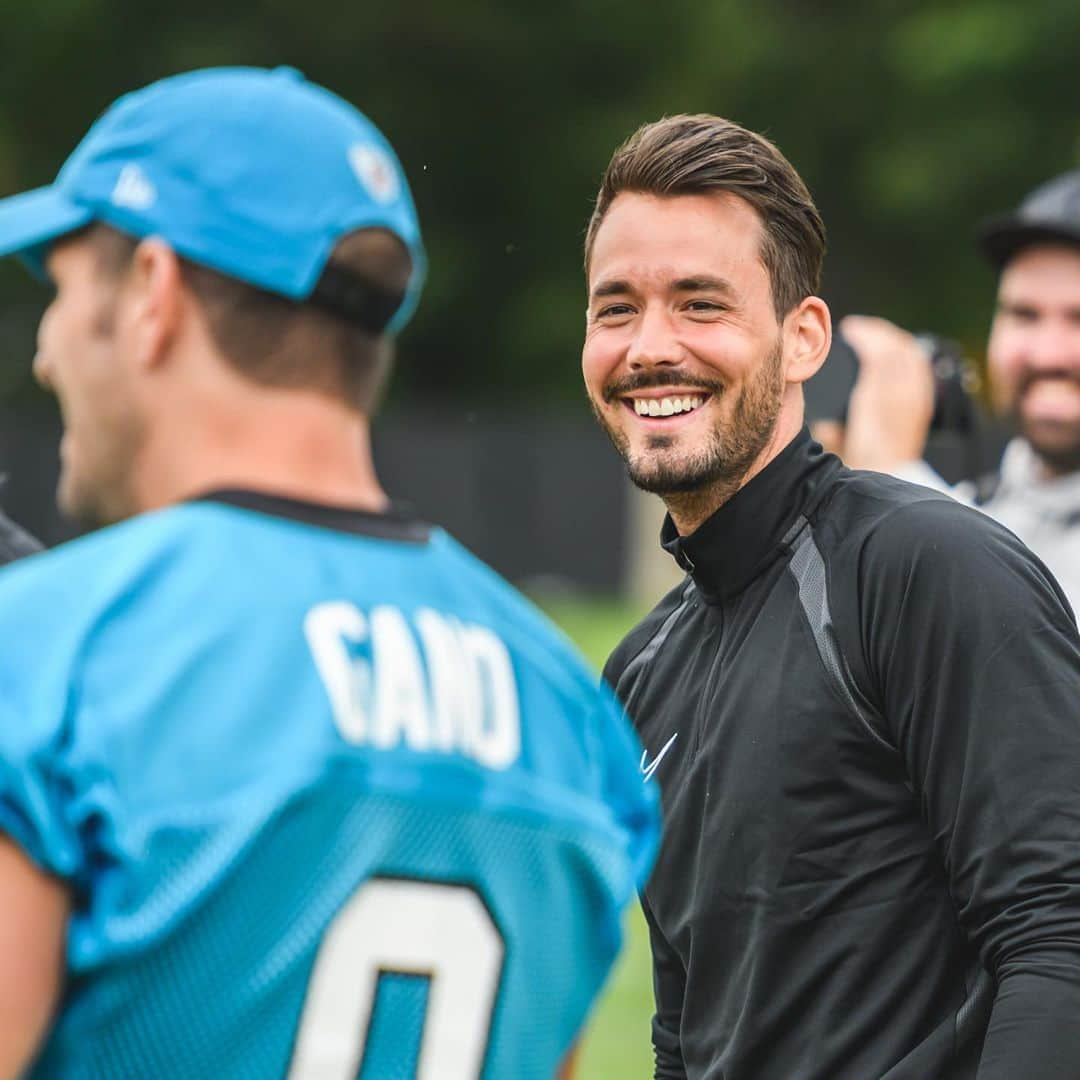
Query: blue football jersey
[332,800]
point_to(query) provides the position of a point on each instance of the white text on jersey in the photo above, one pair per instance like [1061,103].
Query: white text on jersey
[440,685]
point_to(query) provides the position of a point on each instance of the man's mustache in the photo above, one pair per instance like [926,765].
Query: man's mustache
[1029,378]
[657,380]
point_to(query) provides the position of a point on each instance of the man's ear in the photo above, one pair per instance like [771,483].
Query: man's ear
[154,286]
[808,335]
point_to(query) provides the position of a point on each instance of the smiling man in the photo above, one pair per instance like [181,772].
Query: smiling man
[862,703]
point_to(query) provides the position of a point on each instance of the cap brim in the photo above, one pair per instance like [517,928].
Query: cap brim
[1001,238]
[30,222]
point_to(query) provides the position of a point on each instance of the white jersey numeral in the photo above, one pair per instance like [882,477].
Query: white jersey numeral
[438,931]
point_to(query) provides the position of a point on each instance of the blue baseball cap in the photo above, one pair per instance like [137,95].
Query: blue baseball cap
[253,173]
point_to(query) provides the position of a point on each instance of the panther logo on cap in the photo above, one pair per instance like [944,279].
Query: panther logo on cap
[375,170]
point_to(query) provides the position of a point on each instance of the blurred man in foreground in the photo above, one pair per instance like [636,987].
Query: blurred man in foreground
[863,704]
[291,784]
[1034,365]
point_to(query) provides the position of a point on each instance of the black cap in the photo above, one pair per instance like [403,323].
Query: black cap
[1049,215]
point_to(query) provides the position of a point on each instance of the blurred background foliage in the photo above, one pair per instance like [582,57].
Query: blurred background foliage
[909,122]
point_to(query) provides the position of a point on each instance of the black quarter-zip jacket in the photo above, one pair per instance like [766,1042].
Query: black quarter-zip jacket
[863,710]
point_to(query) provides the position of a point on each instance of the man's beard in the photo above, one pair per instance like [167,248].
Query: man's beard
[97,487]
[729,449]
[1057,445]
[100,491]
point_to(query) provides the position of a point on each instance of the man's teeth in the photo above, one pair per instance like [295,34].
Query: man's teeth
[668,406]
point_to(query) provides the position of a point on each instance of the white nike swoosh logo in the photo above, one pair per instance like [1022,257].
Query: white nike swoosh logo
[648,770]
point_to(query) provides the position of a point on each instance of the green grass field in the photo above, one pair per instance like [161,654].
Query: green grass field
[616,1044]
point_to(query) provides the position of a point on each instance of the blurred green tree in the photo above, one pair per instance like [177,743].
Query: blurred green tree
[909,121]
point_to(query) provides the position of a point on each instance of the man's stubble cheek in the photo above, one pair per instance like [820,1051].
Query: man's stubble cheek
[97,482]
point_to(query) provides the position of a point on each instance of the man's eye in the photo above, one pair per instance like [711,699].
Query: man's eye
[613,311]
[703,305]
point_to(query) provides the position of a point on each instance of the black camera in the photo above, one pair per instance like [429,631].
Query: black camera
[956,384]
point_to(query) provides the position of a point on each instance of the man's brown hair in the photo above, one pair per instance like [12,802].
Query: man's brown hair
[275,341]
[699,154]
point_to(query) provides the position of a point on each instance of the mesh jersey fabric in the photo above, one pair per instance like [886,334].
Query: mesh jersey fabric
[169,745]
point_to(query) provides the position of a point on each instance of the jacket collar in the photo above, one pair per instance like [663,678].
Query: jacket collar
[730,548]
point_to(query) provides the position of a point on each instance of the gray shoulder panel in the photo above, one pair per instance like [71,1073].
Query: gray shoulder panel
[627,680]
[807,567]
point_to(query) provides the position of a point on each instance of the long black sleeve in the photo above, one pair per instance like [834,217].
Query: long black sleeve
[669,974]
[669,986]
[969,645]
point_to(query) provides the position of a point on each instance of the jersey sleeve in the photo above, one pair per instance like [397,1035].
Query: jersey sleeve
[970,649]
[32,791]
[633,801]
[37,784]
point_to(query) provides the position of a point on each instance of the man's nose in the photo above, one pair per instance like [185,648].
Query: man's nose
[41,371]
[42,367]
[656,341]
[1054,346]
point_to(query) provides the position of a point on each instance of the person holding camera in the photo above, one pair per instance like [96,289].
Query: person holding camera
[1033,358]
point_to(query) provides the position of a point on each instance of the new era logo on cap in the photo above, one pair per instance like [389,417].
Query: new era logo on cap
[133,189]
